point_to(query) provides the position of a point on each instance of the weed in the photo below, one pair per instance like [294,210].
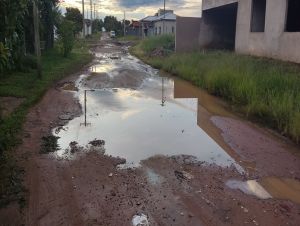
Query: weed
[49,144]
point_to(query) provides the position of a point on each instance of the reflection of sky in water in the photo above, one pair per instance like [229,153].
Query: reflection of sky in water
[135,126]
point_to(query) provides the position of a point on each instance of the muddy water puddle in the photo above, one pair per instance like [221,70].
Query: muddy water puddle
[155,116]
[269,187]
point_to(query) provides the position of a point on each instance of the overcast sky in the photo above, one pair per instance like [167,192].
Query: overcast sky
[137,9]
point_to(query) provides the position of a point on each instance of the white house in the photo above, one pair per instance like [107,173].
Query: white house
[159,24]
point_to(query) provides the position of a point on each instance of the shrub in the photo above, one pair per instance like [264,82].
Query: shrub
[66,37]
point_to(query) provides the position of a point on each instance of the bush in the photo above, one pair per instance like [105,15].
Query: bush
[166,42]
[66,37]
[29,61]
[3,57]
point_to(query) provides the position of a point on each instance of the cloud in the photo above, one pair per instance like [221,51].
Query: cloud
[134,4]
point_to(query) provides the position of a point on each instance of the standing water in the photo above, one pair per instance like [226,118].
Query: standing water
[139,114]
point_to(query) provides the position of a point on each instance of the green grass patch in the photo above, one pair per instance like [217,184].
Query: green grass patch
[128,38]
[264,90]
[28,86]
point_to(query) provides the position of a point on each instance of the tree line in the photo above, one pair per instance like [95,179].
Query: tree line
[17,31]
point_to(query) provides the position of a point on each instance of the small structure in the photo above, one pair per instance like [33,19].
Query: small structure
[159,24]
[268,28]
[134,28]
[88,26]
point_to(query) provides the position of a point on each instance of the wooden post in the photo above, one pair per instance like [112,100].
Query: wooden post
[84,107]
[37,46]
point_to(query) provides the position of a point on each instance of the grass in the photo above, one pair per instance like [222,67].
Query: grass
[264,90]
[128,38]
[28,86]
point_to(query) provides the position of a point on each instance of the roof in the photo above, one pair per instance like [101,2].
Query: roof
[167,16]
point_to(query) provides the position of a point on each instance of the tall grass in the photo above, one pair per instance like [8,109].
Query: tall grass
[166,42]
[263,89]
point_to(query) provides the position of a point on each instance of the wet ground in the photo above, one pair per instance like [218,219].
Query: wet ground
[141,147]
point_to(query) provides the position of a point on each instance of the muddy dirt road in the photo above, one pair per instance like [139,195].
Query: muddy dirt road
[172,154]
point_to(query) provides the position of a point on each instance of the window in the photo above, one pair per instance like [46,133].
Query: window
[293,16]
[155,30]
[173,30]
[258,15]
[159,30]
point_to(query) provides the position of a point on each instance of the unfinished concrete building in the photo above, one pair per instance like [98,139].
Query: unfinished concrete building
[269,28]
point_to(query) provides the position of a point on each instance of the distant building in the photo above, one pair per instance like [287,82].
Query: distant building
[268,28]
[88,27]
[134,28]
[159,24]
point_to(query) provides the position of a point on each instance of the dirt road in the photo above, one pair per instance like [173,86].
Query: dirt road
[189,161]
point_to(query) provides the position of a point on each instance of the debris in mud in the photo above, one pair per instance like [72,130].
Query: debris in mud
[49,144]
[186,159]
[74,147]
[69,86]
[250,187]
[65,117]
[115,57]
[183,175]
[97,143]
[140,220]
[158,52]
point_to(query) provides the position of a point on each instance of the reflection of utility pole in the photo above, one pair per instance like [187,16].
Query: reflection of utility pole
[37,46]
[163,99]
[85,100]
[83,26]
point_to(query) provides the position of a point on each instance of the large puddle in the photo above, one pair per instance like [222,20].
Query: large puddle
[156,116]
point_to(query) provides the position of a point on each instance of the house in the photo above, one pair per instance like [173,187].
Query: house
[134,28]
[268,28]
[159,24]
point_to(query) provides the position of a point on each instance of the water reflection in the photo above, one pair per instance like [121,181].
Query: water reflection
[163,116]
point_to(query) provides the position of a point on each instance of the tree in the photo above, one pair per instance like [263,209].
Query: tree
[97,25]
[12,31]
[74,15]
[112,24]
[47,11]
[66,36]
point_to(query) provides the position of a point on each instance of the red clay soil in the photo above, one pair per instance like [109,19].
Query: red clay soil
[91,190]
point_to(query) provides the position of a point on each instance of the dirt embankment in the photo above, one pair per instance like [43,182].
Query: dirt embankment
[91,190]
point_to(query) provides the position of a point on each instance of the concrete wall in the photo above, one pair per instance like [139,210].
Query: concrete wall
[187,33]
[208,4]
[274,42]
[168,27]
[218,27]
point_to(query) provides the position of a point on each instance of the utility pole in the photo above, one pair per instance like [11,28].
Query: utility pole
[37,46]
[83,24]
[164,16]
[94,11]
[91,8]
[124,25]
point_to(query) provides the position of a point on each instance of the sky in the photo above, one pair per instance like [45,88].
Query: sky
[136,9]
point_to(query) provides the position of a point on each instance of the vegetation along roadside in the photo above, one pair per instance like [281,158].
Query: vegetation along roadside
[264,90]
[26,85]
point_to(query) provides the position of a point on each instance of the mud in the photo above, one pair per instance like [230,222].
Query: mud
[89,187]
